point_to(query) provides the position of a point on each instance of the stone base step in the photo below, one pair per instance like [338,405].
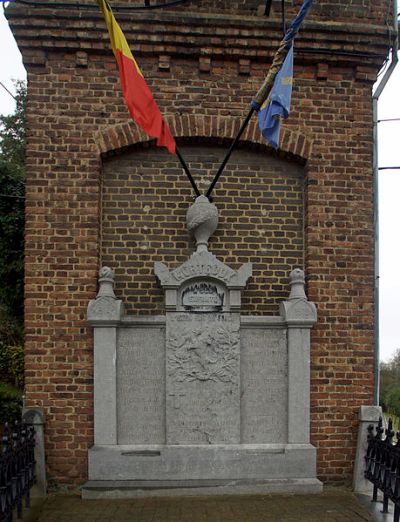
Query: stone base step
[94,489]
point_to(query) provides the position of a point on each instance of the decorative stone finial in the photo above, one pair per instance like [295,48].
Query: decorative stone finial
[297,310]
[106,309]
[202,221]
[106,283]
[297,282]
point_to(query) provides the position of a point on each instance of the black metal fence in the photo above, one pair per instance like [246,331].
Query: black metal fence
[383,466]
[17,469]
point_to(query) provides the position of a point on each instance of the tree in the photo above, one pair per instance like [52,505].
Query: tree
[390,384]
[12,222]
[393,401]
[12,219]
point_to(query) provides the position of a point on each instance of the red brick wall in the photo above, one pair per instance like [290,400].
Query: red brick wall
[204,86]
[145,200]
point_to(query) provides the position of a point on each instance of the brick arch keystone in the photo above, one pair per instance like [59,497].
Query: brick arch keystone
[123,135]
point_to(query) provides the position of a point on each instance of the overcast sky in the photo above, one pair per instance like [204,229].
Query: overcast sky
[389,186]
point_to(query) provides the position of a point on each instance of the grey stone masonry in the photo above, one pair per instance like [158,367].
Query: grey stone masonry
[368,415]
[202,284]
[203,378]
[36,417]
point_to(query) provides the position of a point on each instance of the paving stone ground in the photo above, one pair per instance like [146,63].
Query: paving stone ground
[333,505]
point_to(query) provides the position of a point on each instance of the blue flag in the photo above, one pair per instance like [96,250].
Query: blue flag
[277,105]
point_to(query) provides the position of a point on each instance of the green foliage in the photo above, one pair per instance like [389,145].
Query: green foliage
[12,364]
[390,385]
[12,132]
[12,223]
[393,401]
[12,220]
[10,403]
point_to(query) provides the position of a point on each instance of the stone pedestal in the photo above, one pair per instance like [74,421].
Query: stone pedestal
[367,416]
[36,417]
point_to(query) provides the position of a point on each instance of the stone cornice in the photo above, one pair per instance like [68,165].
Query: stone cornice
[193,35]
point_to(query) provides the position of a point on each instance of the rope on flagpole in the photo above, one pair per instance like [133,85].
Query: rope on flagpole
[259,99]
[266,87]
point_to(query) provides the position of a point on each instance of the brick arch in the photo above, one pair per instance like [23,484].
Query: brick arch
[126,134]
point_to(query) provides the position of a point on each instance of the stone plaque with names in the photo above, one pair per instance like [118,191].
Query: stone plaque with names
[264,394]
[141,386]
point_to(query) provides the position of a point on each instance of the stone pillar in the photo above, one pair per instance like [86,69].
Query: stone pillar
[35,416]
[300,315]
[367,415]
[104,313]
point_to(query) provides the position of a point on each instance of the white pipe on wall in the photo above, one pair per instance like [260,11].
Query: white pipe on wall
[375,97]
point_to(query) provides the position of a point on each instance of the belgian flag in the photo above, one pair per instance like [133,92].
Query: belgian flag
[139,100]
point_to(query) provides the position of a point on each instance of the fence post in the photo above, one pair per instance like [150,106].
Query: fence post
[35,416]
[367,415]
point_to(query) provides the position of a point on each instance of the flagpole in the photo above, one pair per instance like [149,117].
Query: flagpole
[266,87]
[259,99]
[187,171]
[257,102]
[228,154]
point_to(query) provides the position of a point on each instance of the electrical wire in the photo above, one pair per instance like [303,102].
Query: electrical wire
[77,5]
[9,92]
[389,28]
[383,68]
[333,52]
[11,196]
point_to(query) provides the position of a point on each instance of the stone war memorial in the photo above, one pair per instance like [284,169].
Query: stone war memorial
[179,342]
[215,398]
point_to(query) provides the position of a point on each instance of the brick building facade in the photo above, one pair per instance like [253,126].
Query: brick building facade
[100,193]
